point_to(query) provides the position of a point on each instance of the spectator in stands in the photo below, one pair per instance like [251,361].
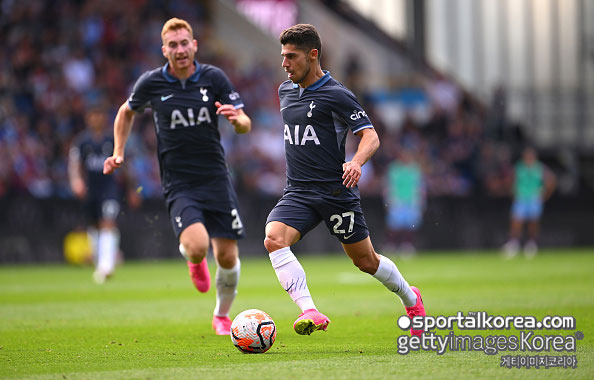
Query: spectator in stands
[533,185]
[405,199]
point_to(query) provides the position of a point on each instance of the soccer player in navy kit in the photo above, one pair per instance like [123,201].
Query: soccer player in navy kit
[101,194]
[186,97]
[317,113]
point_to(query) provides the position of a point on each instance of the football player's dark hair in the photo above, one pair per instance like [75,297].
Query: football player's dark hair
[304,36]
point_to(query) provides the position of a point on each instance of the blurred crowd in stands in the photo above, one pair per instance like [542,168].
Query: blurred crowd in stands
[62,57]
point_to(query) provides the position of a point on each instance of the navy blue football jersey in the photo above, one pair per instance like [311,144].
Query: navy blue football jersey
[189,147]
[91,152]
[316,122]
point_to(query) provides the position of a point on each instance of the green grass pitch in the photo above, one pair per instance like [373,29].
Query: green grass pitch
[148,322]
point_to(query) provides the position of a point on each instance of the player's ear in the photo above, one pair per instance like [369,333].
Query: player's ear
[195,43]
[313,54]
[163,51]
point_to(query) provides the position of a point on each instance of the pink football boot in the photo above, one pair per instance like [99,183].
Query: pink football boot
[309,321]
[221,325]
[200,275]
[418,309]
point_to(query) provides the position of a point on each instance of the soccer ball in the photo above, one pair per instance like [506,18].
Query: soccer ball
[253,331]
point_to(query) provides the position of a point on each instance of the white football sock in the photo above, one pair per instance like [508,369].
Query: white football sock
[291,276]
[388,274]
[107,250]
[93,236]
[182,250]
[226,282]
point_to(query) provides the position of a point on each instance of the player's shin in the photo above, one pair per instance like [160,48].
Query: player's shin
[107,250]
[389,275]
[292,277]
[183,252]
[226,282]
[93,235]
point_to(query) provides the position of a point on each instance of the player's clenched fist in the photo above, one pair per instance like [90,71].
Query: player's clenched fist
[111,164]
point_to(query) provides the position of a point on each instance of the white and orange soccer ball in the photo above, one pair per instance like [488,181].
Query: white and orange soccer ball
[253,331]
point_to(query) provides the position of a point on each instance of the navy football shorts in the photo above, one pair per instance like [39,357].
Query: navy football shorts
[213,204]
[304,207]
[104,209]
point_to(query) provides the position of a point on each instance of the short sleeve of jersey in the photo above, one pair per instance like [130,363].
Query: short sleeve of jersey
[350,111]
[139,99]
[225,91]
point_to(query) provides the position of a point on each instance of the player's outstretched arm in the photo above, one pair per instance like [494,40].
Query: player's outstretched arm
[75,176]
[121,130]
[367,147]
[240,121]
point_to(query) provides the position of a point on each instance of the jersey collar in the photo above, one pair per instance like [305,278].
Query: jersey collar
[170,78]
[317,84]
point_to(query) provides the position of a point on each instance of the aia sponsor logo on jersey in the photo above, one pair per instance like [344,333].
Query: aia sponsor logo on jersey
[189,119]
[296,137]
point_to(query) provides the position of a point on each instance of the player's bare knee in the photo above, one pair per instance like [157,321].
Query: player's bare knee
[196,256]
[227,260]
[195,251]
[107,224]
[273,243]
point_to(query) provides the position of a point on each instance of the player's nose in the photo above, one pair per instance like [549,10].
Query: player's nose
[179,49]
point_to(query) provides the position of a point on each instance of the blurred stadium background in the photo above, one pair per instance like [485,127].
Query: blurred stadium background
[463,83]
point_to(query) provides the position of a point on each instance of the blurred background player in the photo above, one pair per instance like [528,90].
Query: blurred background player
[102,194]
[186,97]
[317,113]
[405,197]
[534,183]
